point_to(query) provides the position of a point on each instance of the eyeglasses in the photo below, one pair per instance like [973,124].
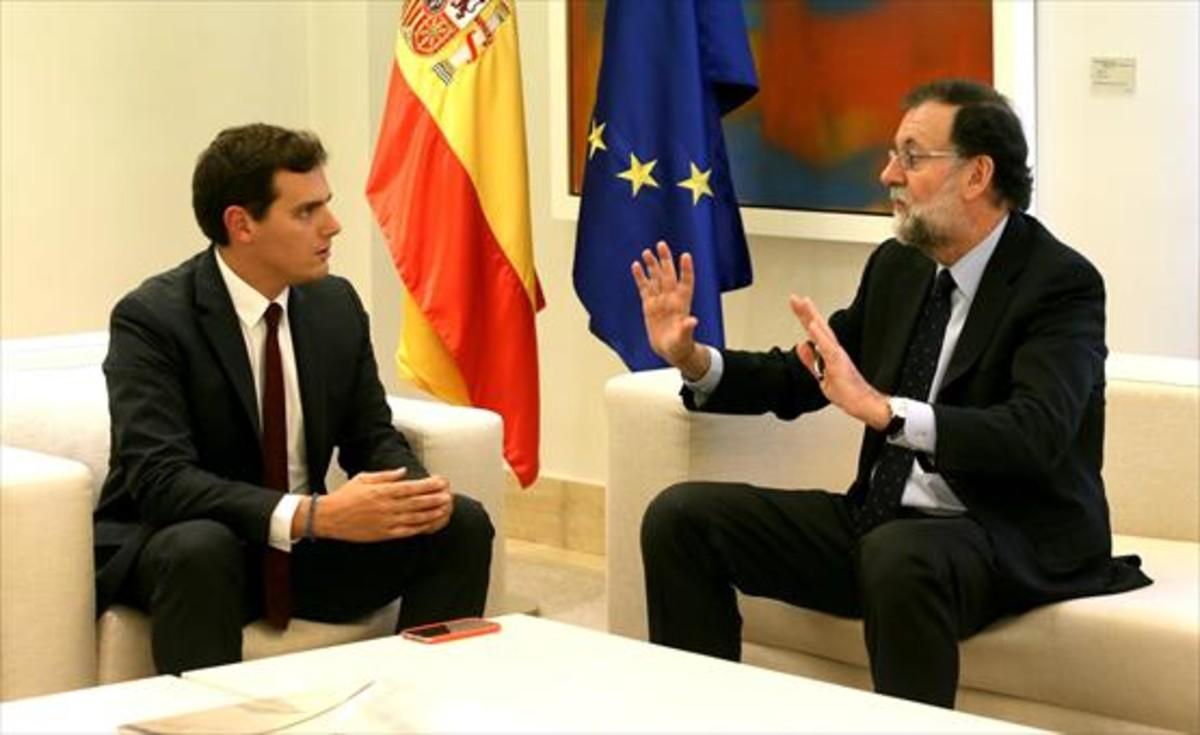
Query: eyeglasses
[909,158]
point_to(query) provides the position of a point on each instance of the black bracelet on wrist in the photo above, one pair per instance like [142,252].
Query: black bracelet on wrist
[312,512]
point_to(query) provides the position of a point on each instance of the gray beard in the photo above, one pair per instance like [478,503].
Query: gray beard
[915,231]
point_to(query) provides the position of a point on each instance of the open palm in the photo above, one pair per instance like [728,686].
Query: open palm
[667,303]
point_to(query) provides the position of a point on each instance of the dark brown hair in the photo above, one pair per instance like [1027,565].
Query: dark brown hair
[238,168]
[984,125]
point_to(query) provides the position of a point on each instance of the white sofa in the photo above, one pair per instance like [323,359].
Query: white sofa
[54,428]
[1128,662]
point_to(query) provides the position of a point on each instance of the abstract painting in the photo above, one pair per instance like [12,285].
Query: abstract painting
[831,76]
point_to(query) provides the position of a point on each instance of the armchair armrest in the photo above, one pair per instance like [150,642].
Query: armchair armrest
[466,446]
[47,587]
[655,442]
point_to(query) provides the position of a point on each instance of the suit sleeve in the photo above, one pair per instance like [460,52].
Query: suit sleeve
[776,381]
[1057,368]
[367,440]
[152,435]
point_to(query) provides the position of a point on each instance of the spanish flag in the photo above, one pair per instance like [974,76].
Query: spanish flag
[449,188]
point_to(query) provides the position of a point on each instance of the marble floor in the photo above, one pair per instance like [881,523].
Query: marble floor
[565,585]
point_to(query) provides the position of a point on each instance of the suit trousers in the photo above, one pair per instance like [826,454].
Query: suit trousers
[200,583]
[920,583]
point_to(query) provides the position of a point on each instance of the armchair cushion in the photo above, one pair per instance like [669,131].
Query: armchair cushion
[125,639]
[61,411]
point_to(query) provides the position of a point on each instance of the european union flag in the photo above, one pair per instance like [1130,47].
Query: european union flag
[656,165]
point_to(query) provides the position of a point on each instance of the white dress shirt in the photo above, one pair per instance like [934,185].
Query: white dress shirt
[924,490]
[251,307]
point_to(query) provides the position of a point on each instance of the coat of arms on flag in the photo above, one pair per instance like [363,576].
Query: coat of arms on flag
[429,26]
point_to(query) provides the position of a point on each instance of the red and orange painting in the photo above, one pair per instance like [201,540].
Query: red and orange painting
[831,76]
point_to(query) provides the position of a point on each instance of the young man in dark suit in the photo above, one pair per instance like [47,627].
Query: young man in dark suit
[973,354]
[231,379]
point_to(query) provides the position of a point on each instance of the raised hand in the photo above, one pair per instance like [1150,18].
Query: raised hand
[841,382]
[667,309]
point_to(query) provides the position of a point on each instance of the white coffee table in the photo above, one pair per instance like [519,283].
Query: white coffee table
[102,709]
[538,675]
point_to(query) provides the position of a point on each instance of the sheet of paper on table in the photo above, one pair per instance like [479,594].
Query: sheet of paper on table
[349,708]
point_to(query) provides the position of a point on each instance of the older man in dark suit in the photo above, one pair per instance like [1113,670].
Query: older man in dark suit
[973,353]
[231,378]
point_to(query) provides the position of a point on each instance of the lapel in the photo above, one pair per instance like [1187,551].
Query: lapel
[309,372]
[992,298]
[910,281]
[219,323]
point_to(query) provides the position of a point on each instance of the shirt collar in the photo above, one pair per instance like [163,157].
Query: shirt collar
[249,304]
[968,271]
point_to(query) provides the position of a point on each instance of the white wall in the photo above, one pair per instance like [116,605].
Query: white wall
[105,106]
[1117,175]
[338,109]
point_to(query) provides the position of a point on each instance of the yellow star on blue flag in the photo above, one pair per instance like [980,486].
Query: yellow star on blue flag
[698,183]
[596,139]
[638,174]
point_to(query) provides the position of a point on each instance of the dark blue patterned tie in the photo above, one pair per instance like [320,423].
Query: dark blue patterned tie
[916,378]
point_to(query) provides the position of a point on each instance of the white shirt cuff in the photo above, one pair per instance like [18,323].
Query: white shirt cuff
[703,387]
[920,427]
[280,535]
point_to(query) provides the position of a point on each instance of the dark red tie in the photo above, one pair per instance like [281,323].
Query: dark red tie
[277,586]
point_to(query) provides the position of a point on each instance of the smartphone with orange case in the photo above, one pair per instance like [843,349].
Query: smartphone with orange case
[450,630]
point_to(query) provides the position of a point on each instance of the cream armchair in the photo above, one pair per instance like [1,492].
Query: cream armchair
[54,427]
[1128,662]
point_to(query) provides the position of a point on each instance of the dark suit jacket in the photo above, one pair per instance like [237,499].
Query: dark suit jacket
[185,434]
[1020,412]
